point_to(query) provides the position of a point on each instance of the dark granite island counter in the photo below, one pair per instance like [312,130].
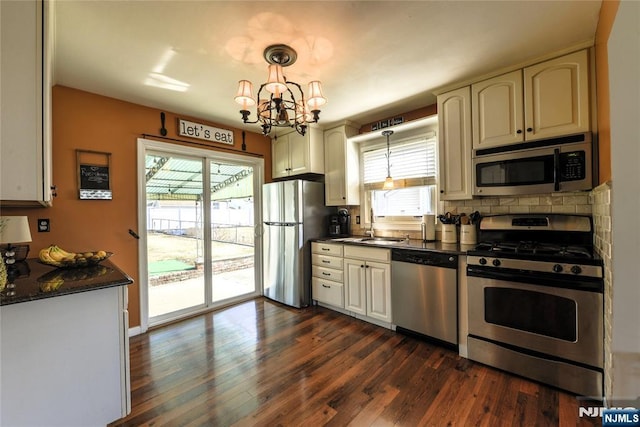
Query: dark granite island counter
[38,281]
[65,346]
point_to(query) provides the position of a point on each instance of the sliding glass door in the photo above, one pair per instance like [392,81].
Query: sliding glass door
[201,249]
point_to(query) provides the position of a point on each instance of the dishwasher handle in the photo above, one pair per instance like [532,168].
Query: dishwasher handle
[435,259]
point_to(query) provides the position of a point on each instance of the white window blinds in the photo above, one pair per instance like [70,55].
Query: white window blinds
[412,159]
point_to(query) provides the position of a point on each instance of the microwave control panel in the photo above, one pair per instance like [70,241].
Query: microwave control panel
[572,166]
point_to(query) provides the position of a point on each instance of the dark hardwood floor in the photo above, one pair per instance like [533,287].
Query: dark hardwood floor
[261,363]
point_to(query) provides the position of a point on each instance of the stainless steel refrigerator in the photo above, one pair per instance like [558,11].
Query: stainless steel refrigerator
[292,213]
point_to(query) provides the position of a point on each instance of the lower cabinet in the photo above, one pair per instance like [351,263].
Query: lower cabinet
[367,282]
[367,290]
[355,280]
[327,278]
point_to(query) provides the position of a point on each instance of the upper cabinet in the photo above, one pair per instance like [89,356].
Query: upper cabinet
[556,95]
[25,102]
[454,122]
[544,100]
[341,167]
[295,154]
[497,110]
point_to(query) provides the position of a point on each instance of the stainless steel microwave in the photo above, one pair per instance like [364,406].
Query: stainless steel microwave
[547,166]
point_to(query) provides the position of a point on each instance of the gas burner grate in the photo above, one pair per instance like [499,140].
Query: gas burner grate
[534,248]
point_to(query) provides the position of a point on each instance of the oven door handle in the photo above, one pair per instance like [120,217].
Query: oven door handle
[589,284]
[556,169]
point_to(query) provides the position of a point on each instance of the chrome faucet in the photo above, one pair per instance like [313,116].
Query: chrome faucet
[370,230]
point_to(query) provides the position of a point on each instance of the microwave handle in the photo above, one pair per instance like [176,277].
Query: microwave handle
[556,169]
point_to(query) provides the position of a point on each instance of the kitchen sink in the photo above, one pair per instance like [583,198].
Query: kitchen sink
[382,240]
[373,240]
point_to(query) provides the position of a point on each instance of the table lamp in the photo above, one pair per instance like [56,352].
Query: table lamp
[13,229]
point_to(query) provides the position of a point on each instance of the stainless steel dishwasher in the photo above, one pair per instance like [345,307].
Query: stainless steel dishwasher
[424,296]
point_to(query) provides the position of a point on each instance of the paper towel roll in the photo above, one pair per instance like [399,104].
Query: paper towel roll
[430,221]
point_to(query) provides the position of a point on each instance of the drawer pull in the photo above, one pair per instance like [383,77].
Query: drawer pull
[326,249]
[326,261]
[324,273]
[326,286]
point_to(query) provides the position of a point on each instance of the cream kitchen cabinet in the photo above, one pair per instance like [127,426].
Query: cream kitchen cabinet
[454,123]
[25,102]
[327,274]
[295,154]
[341,166]
[545,100]
[367,282]
[497,106]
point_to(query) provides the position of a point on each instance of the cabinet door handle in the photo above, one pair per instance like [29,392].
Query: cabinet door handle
[361,265]
[529,129]
[519,131]
[326,286]
[324,273]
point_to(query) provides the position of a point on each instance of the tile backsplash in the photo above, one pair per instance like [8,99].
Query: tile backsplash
[569,203]
[601,197]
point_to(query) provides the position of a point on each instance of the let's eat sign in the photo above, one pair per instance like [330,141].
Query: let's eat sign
[208,133]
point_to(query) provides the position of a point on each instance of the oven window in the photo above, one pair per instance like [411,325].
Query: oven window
[525,171]
[534,312]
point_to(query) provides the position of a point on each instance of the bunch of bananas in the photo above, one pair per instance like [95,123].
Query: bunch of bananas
[56,256]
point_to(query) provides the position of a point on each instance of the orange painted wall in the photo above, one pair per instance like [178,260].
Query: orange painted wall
[608,12]
[86,121]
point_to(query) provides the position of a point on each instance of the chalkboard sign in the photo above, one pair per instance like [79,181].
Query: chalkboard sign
[94,177]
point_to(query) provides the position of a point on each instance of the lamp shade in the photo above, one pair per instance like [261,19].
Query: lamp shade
[14,229]
[244,96]
[276,82]
[316,98]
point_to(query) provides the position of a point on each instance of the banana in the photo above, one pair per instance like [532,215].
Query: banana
[64,253]
[55,254]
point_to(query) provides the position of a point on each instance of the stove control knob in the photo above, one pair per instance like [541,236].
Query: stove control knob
[576,269]
[496,262]
[482,261]
[557,268]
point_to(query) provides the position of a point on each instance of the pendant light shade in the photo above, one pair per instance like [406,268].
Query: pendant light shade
[276,82]
[244,96]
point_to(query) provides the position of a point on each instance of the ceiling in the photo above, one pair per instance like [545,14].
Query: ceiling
[375,59]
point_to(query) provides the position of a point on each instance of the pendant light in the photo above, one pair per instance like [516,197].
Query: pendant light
[388,182]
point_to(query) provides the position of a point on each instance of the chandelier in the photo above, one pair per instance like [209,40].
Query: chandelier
[281,103]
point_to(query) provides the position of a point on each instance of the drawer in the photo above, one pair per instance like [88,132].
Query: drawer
[327,273]
[327,291]
[371,254]
[326,248]
[326,261]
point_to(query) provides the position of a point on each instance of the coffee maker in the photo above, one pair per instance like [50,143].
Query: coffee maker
[340,224]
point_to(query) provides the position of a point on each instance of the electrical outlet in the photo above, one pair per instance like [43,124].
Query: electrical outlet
[44,225]
[357,219]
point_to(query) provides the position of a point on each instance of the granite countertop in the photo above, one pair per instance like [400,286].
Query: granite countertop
[414,244]
[37,281]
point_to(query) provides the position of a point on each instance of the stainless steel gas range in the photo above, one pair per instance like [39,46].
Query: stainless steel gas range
[535,293]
